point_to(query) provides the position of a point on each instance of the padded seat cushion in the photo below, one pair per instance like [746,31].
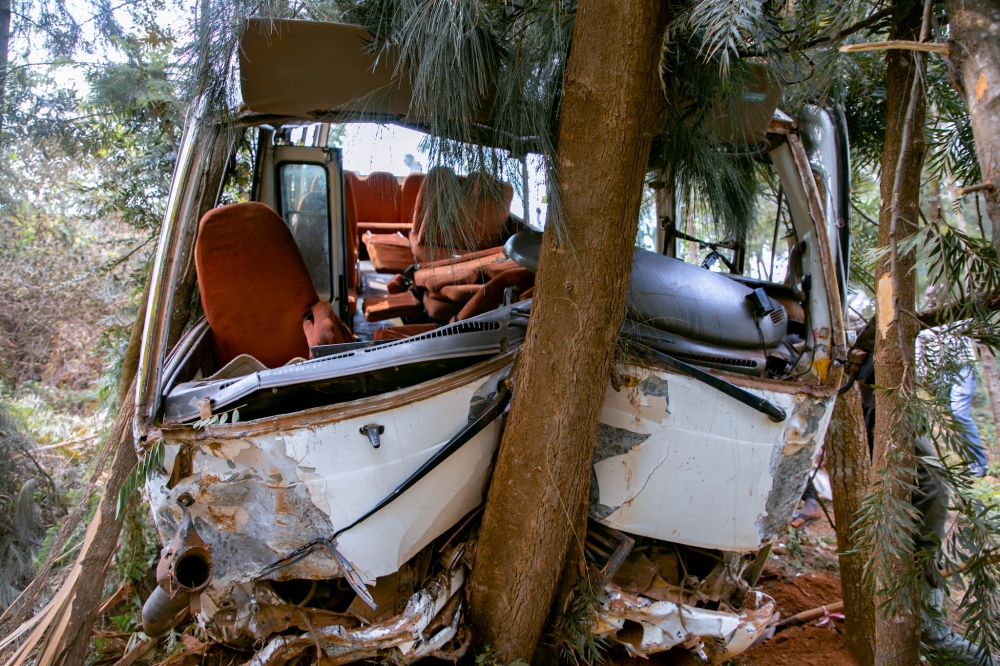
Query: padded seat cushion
[383,228]
[255,288]
[380,308]
[401,332]
[440,309]
[423,254]
[491,295]
[497,267]
[458,293]
[390,253]
[456,216]
[464,272]
[351,221]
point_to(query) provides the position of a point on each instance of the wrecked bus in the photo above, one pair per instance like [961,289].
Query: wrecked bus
[327,385]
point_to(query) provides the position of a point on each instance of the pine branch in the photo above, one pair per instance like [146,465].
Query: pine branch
[857,27]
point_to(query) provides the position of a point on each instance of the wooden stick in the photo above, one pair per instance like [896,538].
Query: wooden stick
[811,614]
[115,599]
[900,44]
[962,191]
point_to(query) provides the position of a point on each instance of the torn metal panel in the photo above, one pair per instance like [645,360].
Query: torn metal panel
[645,626]
[419,631]
[260,496]
[703,470]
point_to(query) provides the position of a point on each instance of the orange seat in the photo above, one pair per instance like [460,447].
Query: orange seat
[458,293]
[255,289]
[441,274]
[451,217]
[351,238]
[490,297]
[401,332]
[408,192]
[390,253]
[454,216]
[440,308]
[380,308]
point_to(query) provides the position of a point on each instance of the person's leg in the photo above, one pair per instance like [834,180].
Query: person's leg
[930,499]
[961,407]
[810,511]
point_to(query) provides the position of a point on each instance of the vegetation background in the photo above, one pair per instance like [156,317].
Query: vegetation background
[94,97]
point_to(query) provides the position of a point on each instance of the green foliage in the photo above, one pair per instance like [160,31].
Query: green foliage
[487,658]
[150,463]
[962,269]
[20,517]
[138,549]
[220,418]
[574,637]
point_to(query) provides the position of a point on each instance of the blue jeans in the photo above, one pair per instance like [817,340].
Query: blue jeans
[961,408]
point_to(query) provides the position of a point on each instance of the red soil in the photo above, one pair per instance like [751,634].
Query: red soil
[808,644]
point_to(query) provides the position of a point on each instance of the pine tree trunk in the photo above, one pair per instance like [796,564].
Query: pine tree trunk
[848,464]
[536,506]
[975,50]
[992,385]
[897,631]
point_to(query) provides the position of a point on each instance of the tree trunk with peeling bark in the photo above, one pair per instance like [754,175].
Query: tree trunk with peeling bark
[848,464]
[992,385]
[535,512]
[975,50]
[897,631]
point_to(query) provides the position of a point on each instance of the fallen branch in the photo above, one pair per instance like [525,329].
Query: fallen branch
[962,191]
[896,44]
[119,595]
[810,614]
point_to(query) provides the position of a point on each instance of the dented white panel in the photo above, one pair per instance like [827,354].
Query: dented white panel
[260,497]
[680,461]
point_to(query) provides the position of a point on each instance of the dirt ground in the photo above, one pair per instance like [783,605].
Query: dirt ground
[802,575]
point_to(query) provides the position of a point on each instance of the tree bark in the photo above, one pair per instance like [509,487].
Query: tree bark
[975,50]
[897,631]
[848,463]
[537,500]
[992,385]
[97,558]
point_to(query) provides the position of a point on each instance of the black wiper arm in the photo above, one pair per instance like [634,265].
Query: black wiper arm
[493,411]
[775,413]
[488,416]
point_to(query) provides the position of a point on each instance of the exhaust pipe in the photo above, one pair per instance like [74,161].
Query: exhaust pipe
[184,571]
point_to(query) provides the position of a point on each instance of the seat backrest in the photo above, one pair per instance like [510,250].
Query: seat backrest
[351,222]
[255,287]
[469,214]
[491,295]
[408,193]
[488,208]
[376,197]
[437,208]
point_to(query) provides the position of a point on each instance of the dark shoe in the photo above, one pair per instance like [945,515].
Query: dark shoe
[953,648]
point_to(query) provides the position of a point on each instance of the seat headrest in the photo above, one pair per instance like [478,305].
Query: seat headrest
[376,196]
[255,288]
[408,192]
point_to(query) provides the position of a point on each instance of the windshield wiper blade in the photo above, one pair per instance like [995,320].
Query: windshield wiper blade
[775,413]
